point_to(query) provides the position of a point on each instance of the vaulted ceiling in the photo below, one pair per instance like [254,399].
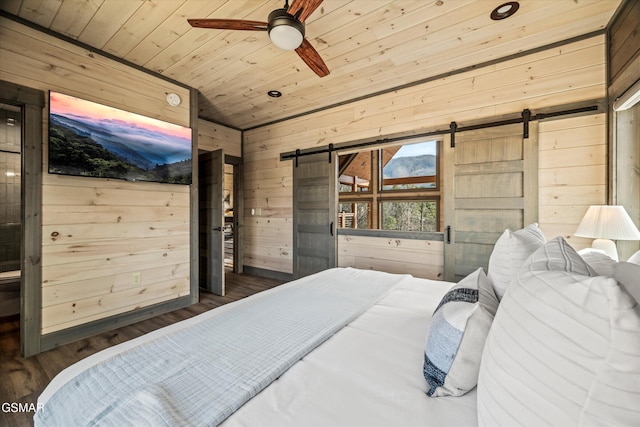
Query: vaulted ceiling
[370,46]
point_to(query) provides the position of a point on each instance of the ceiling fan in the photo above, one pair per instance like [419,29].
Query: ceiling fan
[285,27]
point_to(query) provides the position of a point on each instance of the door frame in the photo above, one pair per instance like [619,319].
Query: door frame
[238,209]
[31,102]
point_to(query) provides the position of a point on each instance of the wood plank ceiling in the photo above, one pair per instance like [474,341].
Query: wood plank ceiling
[370,46]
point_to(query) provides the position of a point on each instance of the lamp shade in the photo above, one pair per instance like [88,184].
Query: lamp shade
[607,222]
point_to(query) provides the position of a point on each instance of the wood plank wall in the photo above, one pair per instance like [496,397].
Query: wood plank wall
[570,73]
[424,258]
[624,63]
[97,232]
[624,45]
[212,136]
[572,173]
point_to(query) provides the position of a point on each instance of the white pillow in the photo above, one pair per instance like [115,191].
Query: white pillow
[598,260]
[563,349]
[509,253]
[635,258]
[557,255]
[458,329]
[628,275]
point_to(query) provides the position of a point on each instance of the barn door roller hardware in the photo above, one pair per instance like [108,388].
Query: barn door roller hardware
[525,118]
[453,127]
[330,149]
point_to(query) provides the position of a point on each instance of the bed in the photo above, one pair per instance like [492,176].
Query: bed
[368,372]
[545,337]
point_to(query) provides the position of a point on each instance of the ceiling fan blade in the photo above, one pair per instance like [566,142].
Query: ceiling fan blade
[228,24]
[312,58]
[305,7]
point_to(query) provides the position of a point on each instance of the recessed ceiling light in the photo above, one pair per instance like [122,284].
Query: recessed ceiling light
[274,93]
[505,10]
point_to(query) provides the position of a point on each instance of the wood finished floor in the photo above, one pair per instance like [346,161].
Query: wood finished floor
[22,380]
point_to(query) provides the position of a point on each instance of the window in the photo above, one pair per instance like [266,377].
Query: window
[356,214]
[355,172]
[392,188]
[410,215]
[410,166]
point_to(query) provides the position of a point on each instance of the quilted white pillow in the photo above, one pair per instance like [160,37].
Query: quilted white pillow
[563,349]
[509,253]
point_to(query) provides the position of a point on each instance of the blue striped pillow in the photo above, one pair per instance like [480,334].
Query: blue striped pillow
[459,327]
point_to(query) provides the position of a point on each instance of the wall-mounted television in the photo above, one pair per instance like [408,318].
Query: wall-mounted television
[95,140]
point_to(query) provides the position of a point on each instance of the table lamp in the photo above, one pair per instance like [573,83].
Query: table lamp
[607,223]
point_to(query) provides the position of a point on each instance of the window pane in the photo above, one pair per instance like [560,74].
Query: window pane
[410,215]
[360,219]
[355,172]
[410,166]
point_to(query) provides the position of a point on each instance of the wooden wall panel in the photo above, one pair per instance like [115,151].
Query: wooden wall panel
[212,136]
[421,258]
[562,75]
[572,173]
[97,233]
[624,41]
[624,60]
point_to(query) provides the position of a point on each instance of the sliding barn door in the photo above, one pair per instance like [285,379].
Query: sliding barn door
[492,177]
[315,195]
[211,236]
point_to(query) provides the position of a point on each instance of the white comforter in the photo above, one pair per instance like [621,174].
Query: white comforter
[369,374]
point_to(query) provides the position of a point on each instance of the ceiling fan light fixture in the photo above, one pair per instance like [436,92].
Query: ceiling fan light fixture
[285,31]
[285,28]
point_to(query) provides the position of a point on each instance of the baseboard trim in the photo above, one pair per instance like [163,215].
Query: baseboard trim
[271,274]
[76,333]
